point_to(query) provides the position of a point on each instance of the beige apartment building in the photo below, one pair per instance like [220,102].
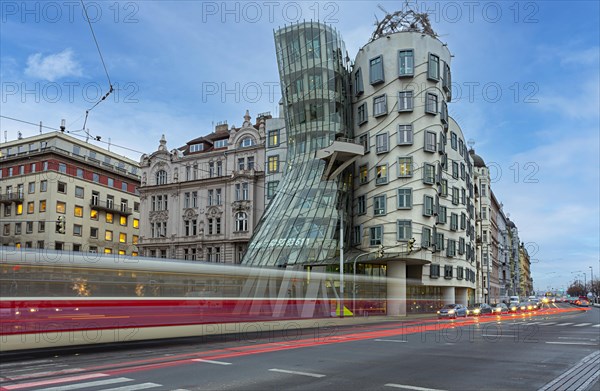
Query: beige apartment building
[52,177]
[202,201]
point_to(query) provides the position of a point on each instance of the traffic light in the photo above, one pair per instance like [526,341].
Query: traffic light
[60,225]
[380,251]
[411,244]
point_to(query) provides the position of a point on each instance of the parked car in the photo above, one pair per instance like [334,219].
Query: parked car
[500,309]
[479,309]
[452,311]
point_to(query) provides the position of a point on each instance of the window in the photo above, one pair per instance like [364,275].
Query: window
[442,216]
[41,226]
[433,67]
[109,217]
[431,105]
[42,207]
[405,168]
[273,139]
[405,135]
[358,83]
[381,142]
[364,141]
[271,188]
[404,230]
[361,205]
[29,227]
[241,164]
[79,172]
[430,141]
[376,70]
[6,231]
[405,101]
[434,271]
[110,182]
[94,232]
[376,234]
[61,207]
[406,63]
[428,173]
[447,81]
[96,177]
[439,242]
[427,205]
[250,162]
[220,143]
[361,114]
[357,234]
[30,207]
[448,271]
[161,177]
[78,211]
[31,187]
[218,196]
[453,140]
[404,198]
[246,142]
[381,176]
[241,191]
[455,194]
[379,205]
[451,250]
[196,147]
[19,208]
[273,163]
[43,185]
[462,171]
[453,221]
[380,105]
[122,237]
[62,187]
[363,174]
[18,228]
[455,170]
[108,236]
[461,246]
[79,192]
[123,221]
[77,229]
[241,221]
[444,187]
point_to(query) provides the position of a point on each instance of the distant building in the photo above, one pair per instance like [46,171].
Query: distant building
[55,176]
[202,201]
[485,250]
[526,286]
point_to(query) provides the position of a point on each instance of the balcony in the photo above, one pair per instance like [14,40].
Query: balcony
[339,155]
[109,207]
[11,197]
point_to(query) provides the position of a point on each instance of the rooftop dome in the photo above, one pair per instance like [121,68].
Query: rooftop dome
[477,160]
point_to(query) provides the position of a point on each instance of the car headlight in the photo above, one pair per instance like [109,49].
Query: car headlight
[477,311]
[451,312]
[438,312]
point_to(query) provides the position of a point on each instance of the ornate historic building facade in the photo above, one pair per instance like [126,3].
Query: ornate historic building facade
[202,201]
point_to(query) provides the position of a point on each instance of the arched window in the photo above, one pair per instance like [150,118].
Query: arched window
[161,177]
[241,221]
[247,142]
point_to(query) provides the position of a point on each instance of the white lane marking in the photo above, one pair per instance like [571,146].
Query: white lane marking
[23,363]
[582,324]
[572,343]
[596,325]
[564,324]
[212,361]
[547,324]
[407,387]
[88,384]
[390,340]
[297,372]
[577,339]
[133,387]
[47,373]
[54,381]
[498,336]
[530,323]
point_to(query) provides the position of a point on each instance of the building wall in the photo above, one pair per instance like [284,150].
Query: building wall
[205,196]
[428,165]
[95,190]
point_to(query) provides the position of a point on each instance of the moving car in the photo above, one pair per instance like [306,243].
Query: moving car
[527,306]
[480,309]
[513,307]
[500,309]
[452,311]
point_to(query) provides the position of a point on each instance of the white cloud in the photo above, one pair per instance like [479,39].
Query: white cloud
[53,66]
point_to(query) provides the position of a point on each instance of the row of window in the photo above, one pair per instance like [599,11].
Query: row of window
[405,68]
[461,272]
[77,231]
[74,247]
[405,104]
[190,227]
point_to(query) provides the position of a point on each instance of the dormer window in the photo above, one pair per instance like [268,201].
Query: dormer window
[221,143]
[196,147]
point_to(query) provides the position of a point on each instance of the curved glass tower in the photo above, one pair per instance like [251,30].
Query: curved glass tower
[301,225]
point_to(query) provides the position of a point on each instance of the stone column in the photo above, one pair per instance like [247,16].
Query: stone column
[396,288]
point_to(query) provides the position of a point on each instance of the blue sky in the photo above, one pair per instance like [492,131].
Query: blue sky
[527,75]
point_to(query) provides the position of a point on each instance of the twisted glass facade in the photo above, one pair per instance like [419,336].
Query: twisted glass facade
[301,225]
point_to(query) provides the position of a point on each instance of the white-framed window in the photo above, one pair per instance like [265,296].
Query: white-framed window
[246,142]
[405,134]
[405,101]
[379,207]
[196,147]
[382,143]
[405,167]
[380,105]
[220,143]
[376,70]
[404,230]
[161,177]
[406,63]
[376,235]
[361,114]
[405,198]
[241,221]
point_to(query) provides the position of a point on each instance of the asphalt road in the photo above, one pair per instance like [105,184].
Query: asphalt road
[523,352]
